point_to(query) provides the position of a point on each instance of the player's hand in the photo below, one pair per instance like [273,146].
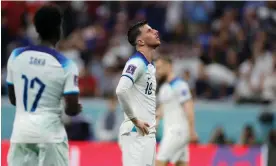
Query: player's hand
[193,136]
[143,126]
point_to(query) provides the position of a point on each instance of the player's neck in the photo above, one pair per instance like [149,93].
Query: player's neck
[47,44]
[170,77]
[147,52]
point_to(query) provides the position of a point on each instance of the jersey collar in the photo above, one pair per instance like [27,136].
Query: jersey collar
[140,55]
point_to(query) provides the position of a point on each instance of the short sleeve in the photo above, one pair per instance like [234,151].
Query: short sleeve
[15,53]
[71,79]
[183,91]
[133,69]
[9,79]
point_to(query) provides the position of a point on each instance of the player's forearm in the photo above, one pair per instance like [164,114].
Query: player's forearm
[11,93]
[191,123]
[123,100]
[158,115]
[72,106]
[189,108]
[72,110]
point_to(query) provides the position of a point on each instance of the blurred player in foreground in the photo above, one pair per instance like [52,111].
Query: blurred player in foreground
[175,104]
[38,79]
[136,94]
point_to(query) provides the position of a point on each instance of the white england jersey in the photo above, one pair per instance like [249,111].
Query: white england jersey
[41,76]
[171,97]
[143,99]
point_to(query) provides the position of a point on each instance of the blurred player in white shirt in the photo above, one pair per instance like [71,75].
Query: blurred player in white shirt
[175,105]
[39,78]
[136,94]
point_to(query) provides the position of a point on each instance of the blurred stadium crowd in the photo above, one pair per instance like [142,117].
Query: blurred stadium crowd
[223,50]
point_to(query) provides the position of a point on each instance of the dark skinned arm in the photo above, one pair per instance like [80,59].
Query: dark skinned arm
[11,93]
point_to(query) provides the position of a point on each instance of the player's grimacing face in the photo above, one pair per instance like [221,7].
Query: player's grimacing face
[150,36]
[162,69]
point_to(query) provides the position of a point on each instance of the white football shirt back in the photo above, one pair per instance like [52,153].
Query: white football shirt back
[40,76]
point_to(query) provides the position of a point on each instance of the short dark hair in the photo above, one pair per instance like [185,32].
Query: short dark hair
[134,32]
[167,59]
[47,21]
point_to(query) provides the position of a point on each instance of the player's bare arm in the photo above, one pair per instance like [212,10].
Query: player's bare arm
[71,91]
[159,114]
[189,108]
[11,93]
[72,106]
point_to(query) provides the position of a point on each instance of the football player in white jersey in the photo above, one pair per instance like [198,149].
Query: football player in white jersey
[136,94]
[39,78]
[176,105]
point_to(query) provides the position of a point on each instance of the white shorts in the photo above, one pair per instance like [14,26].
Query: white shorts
[42,154]
[138,150]
[174,147]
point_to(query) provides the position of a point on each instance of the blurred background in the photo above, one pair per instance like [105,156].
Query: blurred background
[226,51]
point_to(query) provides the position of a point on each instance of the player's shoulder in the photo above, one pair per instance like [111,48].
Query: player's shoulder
[178,83]
[138,59]
[16,52]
